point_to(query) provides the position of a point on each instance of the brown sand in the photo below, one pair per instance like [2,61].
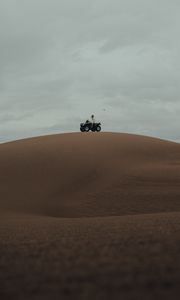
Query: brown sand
[90,216]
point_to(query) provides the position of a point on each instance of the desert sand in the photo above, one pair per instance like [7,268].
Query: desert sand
[90,216]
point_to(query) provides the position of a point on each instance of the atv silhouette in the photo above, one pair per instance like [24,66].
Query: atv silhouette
[85,127]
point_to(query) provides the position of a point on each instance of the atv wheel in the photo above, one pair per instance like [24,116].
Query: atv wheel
[86,128]
[98,128]
[82,129]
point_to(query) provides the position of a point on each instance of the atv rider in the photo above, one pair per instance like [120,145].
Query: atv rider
[92,122]
[93,119]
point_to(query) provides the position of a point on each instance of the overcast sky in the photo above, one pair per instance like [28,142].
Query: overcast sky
[62,60]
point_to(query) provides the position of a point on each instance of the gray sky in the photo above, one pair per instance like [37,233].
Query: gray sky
[62,60]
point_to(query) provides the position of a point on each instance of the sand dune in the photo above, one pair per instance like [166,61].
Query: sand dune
[75,175]
[90,216]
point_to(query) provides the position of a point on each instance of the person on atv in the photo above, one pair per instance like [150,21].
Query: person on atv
[90,125]
[92,122]
[93,119]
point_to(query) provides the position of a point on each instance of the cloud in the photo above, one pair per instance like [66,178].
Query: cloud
[63,60]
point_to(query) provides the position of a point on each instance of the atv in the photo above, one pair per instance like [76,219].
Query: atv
[85,127]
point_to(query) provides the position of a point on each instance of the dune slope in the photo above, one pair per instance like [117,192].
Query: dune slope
[79,175]
[127,257]
[90,216]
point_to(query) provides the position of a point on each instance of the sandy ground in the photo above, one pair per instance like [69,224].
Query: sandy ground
[88,216]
